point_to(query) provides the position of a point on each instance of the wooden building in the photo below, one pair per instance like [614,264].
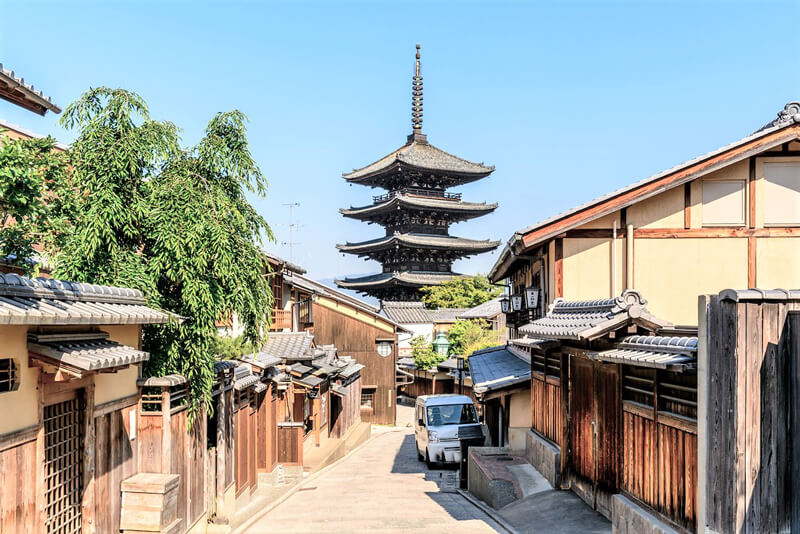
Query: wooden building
[416,212]
[358,330]
[501,382]
[68,393]
[614,407]
[725,219]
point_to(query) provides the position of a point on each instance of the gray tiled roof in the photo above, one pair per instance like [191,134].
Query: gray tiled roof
[486,310]
[308,380]
[244,378]
[288,346]
[497,368]
[422,241]
[412,278]
[411,201]
[90,352]
[589,319]
[415,313]
[662,352]
[421,156]
[46,301]
[162,381]
[16,83]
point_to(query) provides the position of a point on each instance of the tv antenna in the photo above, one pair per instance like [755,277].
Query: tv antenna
[292,227]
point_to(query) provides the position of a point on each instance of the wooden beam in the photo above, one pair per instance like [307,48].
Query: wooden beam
[89,503]
[687,205]
[751,261]
[751,192]
[115,405]
[589,233]
[692,233]
[659,185]
[559,267]
[18,437]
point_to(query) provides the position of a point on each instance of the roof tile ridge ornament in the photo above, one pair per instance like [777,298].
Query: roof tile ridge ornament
[632,302]
[416,105]
[788,115]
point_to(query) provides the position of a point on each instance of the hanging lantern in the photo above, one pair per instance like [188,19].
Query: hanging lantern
[516,302]
[504,304]
[441,345]
[531,298]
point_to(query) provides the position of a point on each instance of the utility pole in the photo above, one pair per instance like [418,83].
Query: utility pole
[292,228]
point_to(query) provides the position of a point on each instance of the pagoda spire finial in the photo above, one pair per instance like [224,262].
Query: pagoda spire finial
[416,97]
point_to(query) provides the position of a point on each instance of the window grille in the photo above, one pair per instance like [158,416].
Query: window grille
[677,394]
[8,375]
[368,400]
[638,385]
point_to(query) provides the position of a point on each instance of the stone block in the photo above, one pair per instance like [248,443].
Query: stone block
[629,517]
[544,457]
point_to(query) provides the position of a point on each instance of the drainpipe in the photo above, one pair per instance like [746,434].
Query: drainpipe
[614,259]
[629,258]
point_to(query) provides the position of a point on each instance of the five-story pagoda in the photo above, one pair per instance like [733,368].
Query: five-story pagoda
[416,211]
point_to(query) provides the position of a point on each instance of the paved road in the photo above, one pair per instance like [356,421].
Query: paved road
[380,487]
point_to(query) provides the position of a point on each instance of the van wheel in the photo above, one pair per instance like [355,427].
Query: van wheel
[428,462]
[419,456]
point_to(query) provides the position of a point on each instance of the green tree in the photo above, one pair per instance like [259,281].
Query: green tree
[25,166]
[466,337]
[424,355]
[461,292]
[139,211]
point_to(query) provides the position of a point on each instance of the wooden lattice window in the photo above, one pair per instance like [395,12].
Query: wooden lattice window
[9,375]
[538,362]
[553,365]
[368,399]
[677,394]
[63,465]
[151,399]
[638,386]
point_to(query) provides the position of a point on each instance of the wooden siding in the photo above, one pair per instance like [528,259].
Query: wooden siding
[290,444]
[356,338]
[185,456]
[115,460]
[546,408]
[345,411]
[18,510]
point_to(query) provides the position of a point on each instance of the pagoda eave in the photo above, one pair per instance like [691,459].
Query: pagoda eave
[457,209]
[458,245]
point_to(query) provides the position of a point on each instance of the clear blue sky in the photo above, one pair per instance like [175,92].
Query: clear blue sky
[568,100]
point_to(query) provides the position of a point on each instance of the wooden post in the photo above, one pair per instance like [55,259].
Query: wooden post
[88,504]
[41,511]
[221,447]
[629,258]
[166,431]
[316,420]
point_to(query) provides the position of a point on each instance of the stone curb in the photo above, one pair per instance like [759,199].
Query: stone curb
[241,529]
[488,510]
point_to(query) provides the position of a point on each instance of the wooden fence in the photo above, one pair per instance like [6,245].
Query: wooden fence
[753,439]
[546,393]
[659,460]
[169,444]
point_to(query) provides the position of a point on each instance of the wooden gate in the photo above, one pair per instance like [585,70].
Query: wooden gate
[246,417]
[64,424]
[594,430]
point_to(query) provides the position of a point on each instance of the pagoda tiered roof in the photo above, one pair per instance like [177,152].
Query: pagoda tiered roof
[419,160]
[421,241]
[416,212]
[410,201]
[415,279]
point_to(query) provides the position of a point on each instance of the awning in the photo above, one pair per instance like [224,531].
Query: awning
[340,390]
[659,352]
[87,352]
[351,370]
[309,381]
[498,368]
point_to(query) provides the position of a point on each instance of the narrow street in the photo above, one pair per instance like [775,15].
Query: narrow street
[380,487]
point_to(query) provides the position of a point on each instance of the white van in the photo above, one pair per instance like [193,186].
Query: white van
[441,422]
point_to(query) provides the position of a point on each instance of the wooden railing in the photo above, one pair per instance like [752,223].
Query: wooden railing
[281,319]
[417,192]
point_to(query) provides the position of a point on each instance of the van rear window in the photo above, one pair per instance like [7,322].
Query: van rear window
[452,414]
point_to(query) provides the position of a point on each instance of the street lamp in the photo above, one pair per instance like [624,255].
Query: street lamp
[441,345]
[516,302]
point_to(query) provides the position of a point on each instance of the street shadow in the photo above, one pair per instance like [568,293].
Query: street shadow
[446,478]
